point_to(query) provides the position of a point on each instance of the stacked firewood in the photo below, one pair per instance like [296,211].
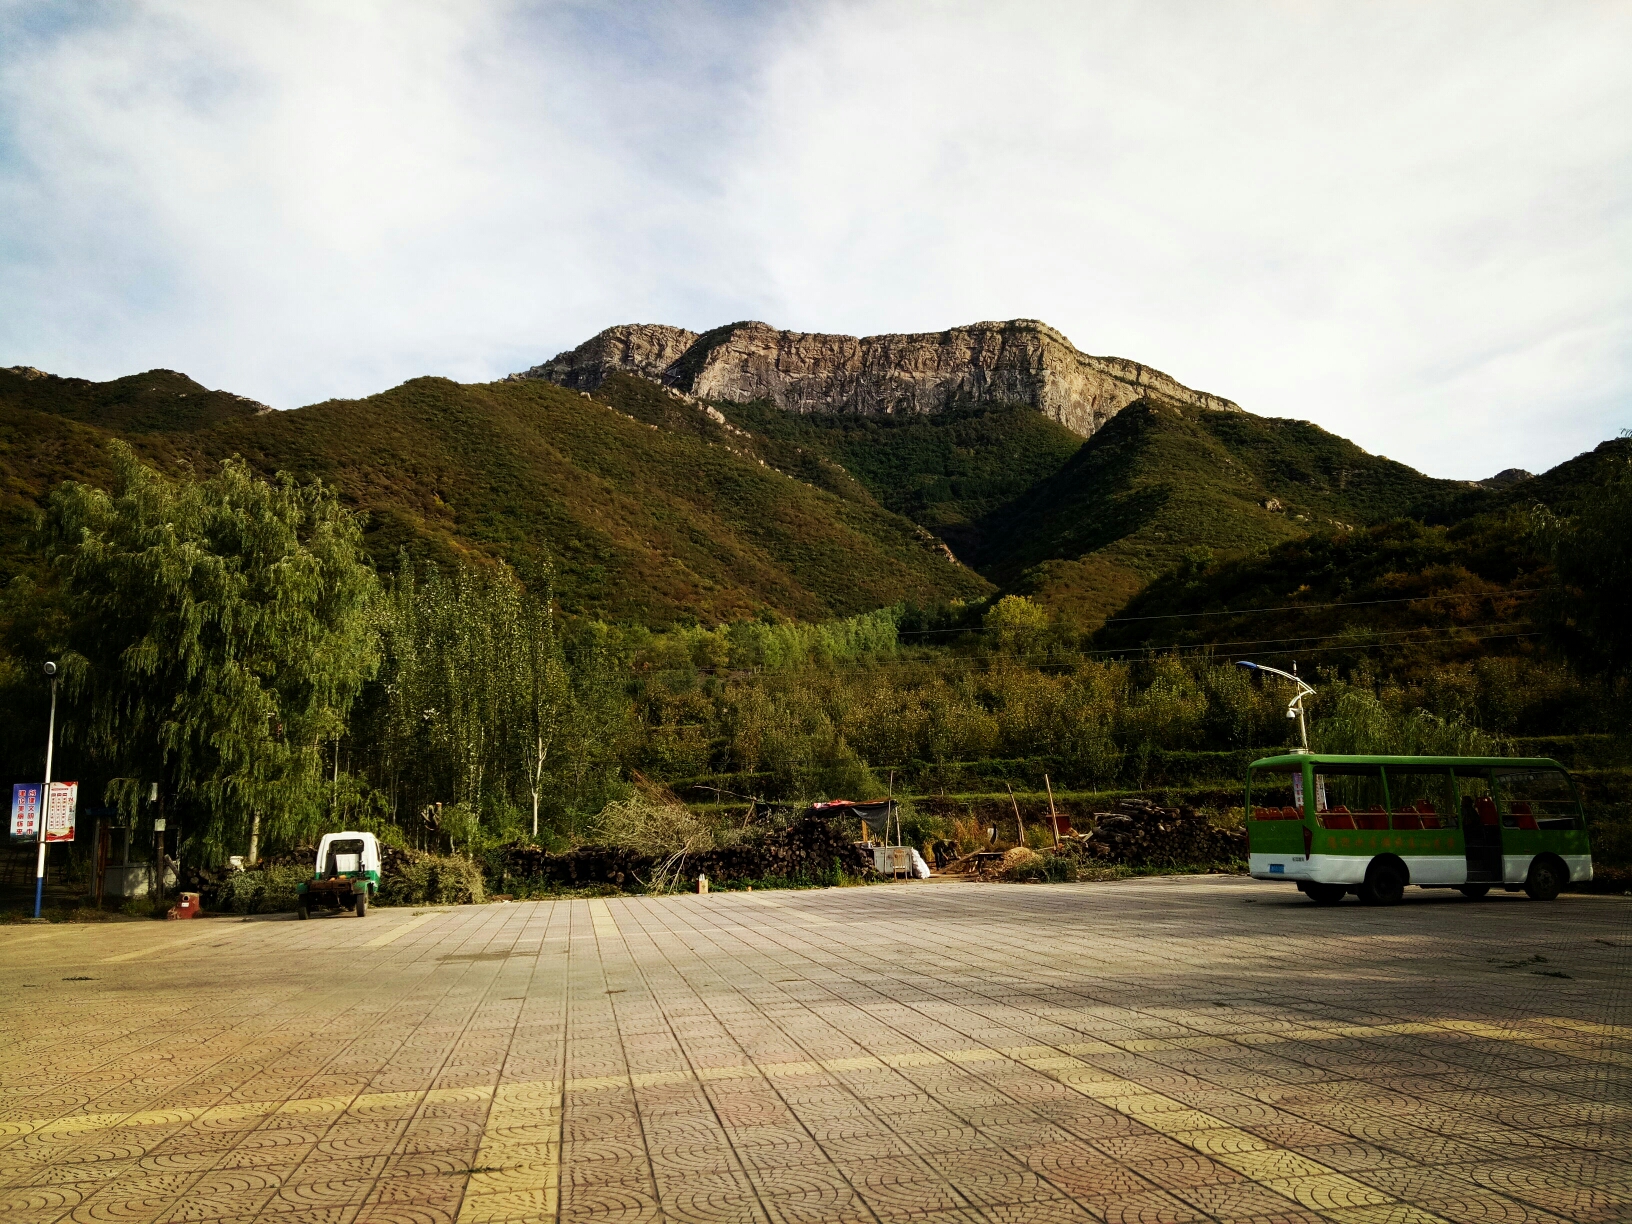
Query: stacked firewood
[812,847]
[1141,833]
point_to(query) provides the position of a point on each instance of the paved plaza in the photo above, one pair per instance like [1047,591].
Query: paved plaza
[1182,1049]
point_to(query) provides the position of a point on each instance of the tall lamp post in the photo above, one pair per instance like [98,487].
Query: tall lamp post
[1294,708]
[45,811]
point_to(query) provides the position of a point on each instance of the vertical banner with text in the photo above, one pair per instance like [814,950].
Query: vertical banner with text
[25,809]
[59,825]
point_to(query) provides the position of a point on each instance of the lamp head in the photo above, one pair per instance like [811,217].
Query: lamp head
[50,669]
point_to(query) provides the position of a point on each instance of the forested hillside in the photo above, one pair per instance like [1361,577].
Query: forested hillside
[644,524]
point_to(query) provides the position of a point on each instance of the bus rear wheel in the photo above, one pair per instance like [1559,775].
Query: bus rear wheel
[1474,892]
[1545,880]
[1385,884]
[1325,894]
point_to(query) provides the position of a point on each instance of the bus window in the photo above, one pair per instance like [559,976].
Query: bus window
[1535,799]
[1419,796]
[1276,793]
[1350,797]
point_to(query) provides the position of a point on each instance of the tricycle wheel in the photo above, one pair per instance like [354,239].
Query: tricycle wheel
[362,904]
[302,912]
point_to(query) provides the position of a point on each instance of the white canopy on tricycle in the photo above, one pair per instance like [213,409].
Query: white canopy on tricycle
[369,856]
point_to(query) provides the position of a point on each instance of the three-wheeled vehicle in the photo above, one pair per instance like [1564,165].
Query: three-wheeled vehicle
[1370,825]
[346,874]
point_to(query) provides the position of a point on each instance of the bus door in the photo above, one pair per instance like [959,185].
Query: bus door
[1481,825]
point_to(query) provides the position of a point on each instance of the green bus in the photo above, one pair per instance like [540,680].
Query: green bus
[1370,825]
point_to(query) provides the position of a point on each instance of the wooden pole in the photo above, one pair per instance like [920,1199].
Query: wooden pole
[1019,825]
[1053,817]
[889,809]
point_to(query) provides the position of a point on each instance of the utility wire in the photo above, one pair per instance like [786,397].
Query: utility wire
[1363,603]
[1311,646]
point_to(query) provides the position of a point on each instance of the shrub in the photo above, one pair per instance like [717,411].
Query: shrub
[434,879]
[1023,864]
[262,890]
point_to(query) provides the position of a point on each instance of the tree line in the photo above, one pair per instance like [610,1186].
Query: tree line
[225,639]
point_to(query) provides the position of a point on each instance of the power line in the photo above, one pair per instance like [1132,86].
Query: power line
[1311,645]
[1362,603]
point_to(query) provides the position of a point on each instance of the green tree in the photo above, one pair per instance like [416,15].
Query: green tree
[1017,625]
[541,690]
[216,637]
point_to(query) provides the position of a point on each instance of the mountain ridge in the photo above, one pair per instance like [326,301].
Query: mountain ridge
[660,506]
[1022,361]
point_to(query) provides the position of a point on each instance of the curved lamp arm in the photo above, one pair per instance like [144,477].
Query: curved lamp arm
[1294,708]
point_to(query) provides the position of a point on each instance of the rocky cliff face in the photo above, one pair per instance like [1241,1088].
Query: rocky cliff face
[1021,361]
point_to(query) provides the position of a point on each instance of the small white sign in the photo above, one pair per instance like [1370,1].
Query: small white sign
[158,825]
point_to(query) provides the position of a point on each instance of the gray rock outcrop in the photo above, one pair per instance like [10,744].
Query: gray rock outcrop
[1020,361]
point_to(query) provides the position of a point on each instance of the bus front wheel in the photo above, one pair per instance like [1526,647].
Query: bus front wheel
[1385,884]
[1325,894]
[1546,880]
[1474,892]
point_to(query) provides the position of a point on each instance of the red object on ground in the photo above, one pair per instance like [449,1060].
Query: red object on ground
[187,907]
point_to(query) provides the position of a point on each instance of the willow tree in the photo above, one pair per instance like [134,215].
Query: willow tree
[217,636]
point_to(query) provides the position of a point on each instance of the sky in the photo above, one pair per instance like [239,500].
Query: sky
[1408,222]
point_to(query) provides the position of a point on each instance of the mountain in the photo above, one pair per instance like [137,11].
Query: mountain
[1161,485]
[1020,361]
[646,523]
[748,471]
[159,401]
[977,434]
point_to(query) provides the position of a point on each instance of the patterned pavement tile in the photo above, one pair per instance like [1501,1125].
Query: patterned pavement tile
[1145,1052]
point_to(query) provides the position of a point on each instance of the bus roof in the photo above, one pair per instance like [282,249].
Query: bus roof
[1328,758]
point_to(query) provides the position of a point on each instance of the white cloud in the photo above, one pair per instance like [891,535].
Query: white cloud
[1407,222]
[304,200]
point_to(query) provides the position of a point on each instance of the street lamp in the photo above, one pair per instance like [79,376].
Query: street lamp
[45,812]
[1294,708]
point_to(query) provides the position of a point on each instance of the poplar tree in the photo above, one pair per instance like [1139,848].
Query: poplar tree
[217,635]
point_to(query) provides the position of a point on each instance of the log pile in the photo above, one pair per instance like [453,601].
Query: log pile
[811,848]
[1141,833]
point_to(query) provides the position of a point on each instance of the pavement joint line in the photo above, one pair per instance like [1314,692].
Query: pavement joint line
[66,928]
[165,946]
[397,932]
